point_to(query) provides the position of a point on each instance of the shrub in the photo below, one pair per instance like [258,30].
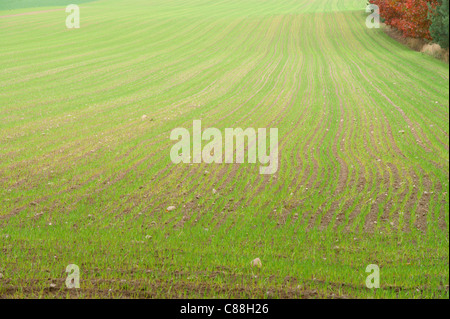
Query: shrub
[440,24]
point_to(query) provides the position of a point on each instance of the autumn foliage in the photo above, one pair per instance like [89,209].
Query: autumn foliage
[409,16]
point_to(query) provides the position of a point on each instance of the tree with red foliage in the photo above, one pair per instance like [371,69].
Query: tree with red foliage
[409,16]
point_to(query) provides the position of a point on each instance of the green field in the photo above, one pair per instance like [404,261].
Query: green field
[363,172]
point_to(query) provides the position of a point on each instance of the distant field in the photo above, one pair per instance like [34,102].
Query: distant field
[364,154]
[26,4]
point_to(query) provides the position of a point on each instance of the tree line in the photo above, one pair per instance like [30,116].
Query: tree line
[425,19]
